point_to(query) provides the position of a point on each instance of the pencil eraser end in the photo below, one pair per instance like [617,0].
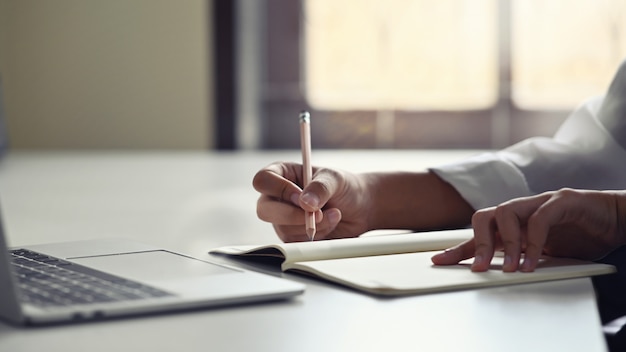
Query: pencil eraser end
[305,116]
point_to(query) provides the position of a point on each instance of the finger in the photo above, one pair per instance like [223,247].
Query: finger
[508,228]
[270,209]
[326,223]
[455,254]
[548,214]
[278,180]
[290,233]
[511,217]
[484,237]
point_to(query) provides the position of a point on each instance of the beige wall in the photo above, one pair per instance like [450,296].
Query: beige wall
[106,74]
[3,22]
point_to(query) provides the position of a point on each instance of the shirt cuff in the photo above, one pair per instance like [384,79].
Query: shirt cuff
[484,180]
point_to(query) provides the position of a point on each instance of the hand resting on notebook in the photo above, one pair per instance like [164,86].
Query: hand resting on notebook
[566,223]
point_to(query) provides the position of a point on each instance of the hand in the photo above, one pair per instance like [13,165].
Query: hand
[339,199]
[347,204]
[565,223]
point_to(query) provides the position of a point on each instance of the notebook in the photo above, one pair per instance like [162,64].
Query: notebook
[98,279]
[400,265]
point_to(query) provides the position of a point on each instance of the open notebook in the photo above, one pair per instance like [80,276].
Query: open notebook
[400,264]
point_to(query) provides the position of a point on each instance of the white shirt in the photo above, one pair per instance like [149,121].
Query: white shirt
[587,152]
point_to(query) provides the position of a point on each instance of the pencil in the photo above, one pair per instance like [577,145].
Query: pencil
[307,171]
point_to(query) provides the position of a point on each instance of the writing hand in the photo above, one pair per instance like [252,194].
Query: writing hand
[338,199]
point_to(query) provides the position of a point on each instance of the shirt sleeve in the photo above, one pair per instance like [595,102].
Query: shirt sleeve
[587,152]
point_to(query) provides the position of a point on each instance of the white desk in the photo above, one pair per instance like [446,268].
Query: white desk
[194,201]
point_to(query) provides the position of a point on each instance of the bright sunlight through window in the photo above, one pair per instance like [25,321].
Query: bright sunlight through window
[565,51]
[443,55]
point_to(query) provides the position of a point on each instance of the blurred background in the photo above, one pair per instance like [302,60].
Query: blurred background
[234,74]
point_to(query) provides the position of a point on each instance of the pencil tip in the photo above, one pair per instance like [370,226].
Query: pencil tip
[311,233]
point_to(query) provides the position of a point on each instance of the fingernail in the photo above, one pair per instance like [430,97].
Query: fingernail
[447,252]
[527,266]
[507,263]
[477,261]
[443,255]
[310,199]
[507,260]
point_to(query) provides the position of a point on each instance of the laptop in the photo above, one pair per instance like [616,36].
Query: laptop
[99,279]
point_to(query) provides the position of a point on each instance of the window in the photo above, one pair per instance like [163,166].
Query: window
[400,55]
[564,51]
[426,74]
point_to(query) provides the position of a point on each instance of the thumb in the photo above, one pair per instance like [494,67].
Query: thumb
[317,193]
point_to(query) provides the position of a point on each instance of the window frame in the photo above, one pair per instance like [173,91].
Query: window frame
[271,94]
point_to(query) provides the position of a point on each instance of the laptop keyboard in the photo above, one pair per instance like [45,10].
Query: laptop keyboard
[47,281]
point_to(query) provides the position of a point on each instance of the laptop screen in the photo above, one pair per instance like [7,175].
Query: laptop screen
[10,309]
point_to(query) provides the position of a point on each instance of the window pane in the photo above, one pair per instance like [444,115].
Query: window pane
[400,54]
[565,50]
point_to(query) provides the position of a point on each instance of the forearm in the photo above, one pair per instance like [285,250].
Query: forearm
[417,201]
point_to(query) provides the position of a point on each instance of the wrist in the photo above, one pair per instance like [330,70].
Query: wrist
[414,201]
[370,185]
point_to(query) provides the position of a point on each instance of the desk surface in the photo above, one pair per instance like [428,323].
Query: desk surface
[194,201]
